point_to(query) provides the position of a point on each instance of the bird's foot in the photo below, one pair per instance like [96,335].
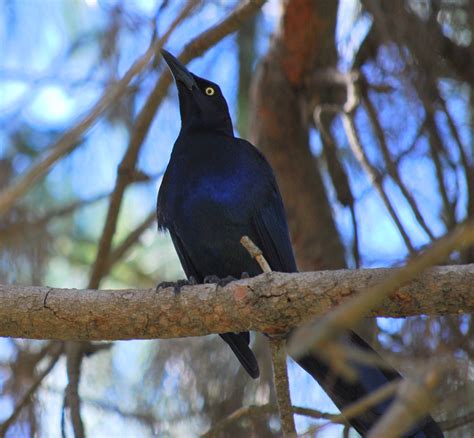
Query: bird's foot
[214,279]
[244,275]
[176,285]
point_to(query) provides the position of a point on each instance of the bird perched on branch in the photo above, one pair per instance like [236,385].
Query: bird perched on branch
[218,188]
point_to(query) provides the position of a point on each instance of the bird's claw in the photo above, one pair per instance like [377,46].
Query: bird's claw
[176,285]
[214,279]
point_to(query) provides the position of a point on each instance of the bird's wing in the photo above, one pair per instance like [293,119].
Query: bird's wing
[269,217]
[186,262]
[273,236]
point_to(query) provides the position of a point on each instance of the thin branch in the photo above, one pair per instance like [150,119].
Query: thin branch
[351,411]
[146,418]
[412,145]
[391,167]
[256,253]
[415,400]
[118,253]
[466,164]
[257,412]
[436,145]
[70,140]
[19,227]
[348,314]
[55,355]
[359,407]
[371,170]
[72,400]
[282,386]
[372,399]
[337,173]
[318,415]
[239,414]
[457,422]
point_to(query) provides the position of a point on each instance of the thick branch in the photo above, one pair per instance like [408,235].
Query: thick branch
[270,303]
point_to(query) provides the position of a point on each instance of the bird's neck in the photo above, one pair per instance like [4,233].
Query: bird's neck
[198,128]
[201,141]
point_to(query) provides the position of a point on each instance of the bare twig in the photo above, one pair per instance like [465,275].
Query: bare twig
[118,252]
[391,166]
[347,314]
[313,413]
[338,175]
[74,354]
[358,150]
[70,140]
[55,355]
[436,146]
[412,145]
[239,414]
[415,400]
[19,226]
[360,406]
[468,165]
[257,412]
[255,253]
[457,422]
[282,386]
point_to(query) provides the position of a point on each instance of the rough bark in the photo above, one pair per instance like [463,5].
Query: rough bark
[270,303]
[303,43]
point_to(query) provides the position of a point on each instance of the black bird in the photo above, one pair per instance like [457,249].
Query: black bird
[217,188]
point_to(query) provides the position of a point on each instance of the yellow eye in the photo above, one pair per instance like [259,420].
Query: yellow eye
[210,91]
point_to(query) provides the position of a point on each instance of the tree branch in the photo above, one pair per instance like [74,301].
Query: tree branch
[55,355]
[70,139]
[361,155]
[257,411]
[270,303]
[415,399]
[282,386]
[347,315]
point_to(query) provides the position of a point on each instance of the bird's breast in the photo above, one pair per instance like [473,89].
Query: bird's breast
[217,189]
[225,195]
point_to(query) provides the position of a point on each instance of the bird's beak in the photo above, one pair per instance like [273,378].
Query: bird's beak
[178,70]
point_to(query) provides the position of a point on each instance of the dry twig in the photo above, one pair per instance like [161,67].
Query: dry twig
[415,400]
[70,140]
[359,406]
[55,355]
[373,173]
[391,166]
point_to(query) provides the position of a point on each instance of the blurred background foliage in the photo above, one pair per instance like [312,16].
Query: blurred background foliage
[402,179]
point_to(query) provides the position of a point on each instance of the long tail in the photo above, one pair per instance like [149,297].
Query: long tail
[239,342]
[369,379]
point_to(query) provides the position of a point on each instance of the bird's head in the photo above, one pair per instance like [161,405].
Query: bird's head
[201,103]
